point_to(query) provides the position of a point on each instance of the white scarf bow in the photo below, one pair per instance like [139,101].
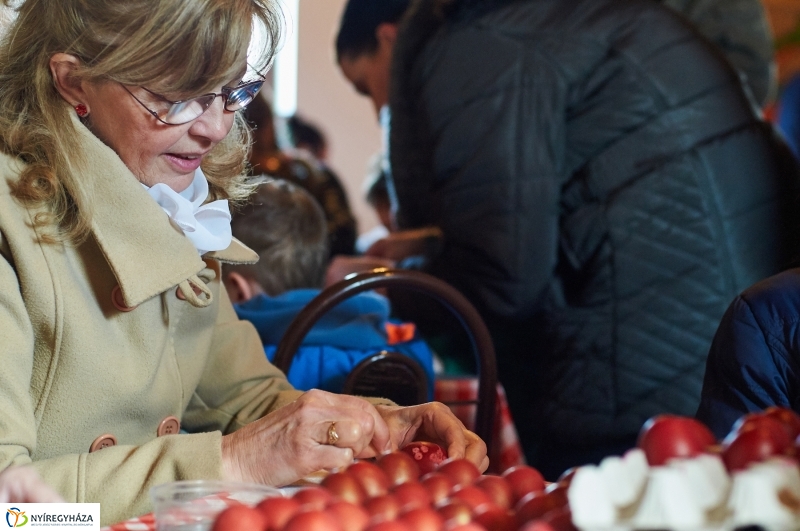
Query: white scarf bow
[207,226]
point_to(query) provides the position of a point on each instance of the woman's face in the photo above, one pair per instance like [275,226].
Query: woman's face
[153,151]
[369,74]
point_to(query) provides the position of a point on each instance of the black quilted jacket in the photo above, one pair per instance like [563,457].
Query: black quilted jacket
[605,190]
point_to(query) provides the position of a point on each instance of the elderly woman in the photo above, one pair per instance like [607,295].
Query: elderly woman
[121,146]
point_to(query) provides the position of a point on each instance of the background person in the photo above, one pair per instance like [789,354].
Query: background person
[286,227]
[307,137]
[121,145]
[268,159]
[604,188]
[377,196]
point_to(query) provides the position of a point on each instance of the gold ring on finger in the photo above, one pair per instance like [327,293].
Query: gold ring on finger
[332,435]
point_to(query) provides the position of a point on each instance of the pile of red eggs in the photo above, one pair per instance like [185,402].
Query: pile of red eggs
[418,489]
[415,489]
[754,438]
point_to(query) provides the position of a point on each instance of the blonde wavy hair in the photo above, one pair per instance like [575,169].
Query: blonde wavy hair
[184,47]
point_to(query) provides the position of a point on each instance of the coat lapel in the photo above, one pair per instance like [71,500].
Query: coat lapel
[145,251]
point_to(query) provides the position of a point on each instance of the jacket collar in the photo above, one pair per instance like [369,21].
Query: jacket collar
[146,253]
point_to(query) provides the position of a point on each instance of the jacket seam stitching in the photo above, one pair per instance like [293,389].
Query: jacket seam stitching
[58,326]
[174,356]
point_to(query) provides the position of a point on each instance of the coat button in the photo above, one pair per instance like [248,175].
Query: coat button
[104,441]
[119,302]
[169,426]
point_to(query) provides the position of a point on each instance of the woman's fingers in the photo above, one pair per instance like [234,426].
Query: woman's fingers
[476,451]
[341,433]
[375,431]
[358,425]
[322,430]
[331,457]
[318,430]
[436,423]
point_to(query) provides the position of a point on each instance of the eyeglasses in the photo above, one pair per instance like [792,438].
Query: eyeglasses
[184,111]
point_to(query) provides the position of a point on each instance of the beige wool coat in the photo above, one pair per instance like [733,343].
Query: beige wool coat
[75,367]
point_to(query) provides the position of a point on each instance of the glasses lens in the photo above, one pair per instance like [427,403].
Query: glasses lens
[186,111]
[239,97]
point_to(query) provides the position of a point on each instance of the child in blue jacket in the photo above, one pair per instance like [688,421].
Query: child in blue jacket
[286,226]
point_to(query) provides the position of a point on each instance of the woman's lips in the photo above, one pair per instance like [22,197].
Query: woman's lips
[184,163]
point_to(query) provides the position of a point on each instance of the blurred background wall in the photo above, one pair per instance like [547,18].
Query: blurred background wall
[324,98]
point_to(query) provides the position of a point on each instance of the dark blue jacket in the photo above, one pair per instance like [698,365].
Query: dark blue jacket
[352,331]
[753,362]
[789,115]
[605,188]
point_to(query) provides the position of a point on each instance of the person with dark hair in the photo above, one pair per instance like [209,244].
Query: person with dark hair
[603,185]
[286,227]
[377,197]
[739,28]
[268,159]
[306,136]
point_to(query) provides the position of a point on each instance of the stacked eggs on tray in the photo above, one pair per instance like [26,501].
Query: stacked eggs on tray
[678,478]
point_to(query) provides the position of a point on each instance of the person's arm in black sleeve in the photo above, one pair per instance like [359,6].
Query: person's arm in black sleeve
[490,179]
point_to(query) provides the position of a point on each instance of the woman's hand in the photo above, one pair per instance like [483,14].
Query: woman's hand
[22,484]
[293,441]
[434,422]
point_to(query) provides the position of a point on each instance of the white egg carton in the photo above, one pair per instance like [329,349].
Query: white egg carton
[698,494]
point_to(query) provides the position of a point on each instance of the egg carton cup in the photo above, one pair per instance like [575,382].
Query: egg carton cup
[625,493]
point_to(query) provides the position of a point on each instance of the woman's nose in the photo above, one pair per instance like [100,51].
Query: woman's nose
[215,123]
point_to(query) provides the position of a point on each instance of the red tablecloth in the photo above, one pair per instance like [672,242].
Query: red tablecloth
[145,522]
[452,391]
[507,451]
